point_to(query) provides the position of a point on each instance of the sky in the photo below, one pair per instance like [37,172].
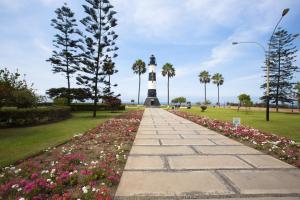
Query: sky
[193,35]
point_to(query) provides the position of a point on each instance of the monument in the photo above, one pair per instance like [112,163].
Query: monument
[152,100]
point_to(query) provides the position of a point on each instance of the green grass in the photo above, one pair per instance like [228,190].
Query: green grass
[283,124]
[19,143]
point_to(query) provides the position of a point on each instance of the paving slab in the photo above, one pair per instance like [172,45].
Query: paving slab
[146,142]
[160,150]
[227,141]
[170,184]
[265,181]
[144,163]
[160,136]
[186,142]
[265,161]
[176,132]
[206,162]
[146,132]
[226,150]
[210,136]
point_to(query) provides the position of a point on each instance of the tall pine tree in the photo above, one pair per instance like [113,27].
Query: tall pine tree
[282,57]
[99,41]
[66,42]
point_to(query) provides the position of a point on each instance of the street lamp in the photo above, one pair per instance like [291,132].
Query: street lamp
[267,56]
[257,43]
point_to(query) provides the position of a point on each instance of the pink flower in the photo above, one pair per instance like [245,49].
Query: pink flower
[29,187]
[34,176]
[86,172]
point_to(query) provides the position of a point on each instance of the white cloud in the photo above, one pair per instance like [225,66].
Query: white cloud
[11,4]
[247,78]
[42,46]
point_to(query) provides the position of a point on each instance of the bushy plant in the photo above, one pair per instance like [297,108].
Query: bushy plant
[207,102]
[203,108]
[60,101]
[32,116]
[14,91]
[112,102]
[24,98]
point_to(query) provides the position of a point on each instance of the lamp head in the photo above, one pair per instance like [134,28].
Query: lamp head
[285,11]
[234,43]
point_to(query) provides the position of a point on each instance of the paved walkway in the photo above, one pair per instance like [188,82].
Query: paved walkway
[173,158]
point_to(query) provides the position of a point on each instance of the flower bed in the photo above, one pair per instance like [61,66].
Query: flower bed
[280,147]
[87,167]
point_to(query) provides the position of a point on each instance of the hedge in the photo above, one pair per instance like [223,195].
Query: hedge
[90,107]
[11,117]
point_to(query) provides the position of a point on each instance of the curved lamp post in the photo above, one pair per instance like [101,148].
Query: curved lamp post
[267,55]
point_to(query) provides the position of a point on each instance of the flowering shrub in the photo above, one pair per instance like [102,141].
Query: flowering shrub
[88,167]
[280,147]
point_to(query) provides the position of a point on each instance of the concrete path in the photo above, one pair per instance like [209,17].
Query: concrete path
[173,158]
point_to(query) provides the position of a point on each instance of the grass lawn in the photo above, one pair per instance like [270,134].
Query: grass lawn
[19,143]
[283,124]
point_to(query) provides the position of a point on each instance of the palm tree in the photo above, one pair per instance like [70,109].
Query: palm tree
[109,70]
[139,67]
[168,71]
[218,80]
[204,77]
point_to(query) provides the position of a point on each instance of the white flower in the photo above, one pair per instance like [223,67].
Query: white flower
[45,172]
[94,162]
[21,198]
[85,189]
[19,189]
[15,186]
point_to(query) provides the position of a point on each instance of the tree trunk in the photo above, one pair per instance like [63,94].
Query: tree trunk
[219,95]
[69,90]
[68,74]
[98,65]
[168,91]
[278,76]
[204,93]
[139,89]
[109,88]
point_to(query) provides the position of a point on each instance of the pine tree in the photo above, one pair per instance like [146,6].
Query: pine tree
[282,57]
[99,41]
[67,43]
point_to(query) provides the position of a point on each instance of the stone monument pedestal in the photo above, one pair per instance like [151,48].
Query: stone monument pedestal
[152,102]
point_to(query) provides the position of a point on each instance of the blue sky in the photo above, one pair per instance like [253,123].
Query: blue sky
[193,35]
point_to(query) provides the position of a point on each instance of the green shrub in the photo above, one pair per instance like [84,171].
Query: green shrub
[32,116]
[90,107]
[14,91]
[24,98]
[60,101]
[203,108]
